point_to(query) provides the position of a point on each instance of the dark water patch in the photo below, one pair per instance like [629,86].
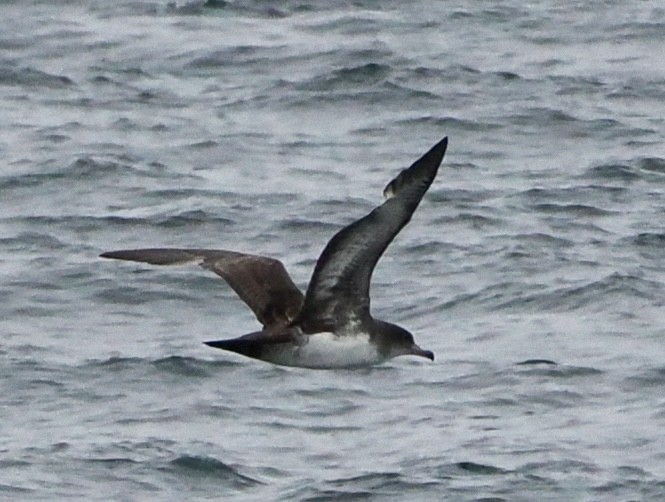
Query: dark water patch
[30,77]
[409,93]
[481,469]
[176,365]
[369,74]
[82,170]
[649,379]
[639,31]
[652,240]
[203,145]
[184,366]
[191,218]
[447,123]
[347,205]
[577,210]
[349,25]
[458,195]
[186,193]
[480,379]
[32,241]
[649,245]
[370,486]
[330,430]
[473,220]
[614,288]
[8,464]
[112,462]
[302,225]
[210,468]
[539,116]
[504,295]
[575,193]
[15,490]
[322,174]
[92,223]
[628,171]
[429,248]
[573,85]
[631,490]
[654,165]
[539,240]
[558,399]
[332,392]
[507,75]
[130,295]
[249,9]
[570,126]
[214,410]
[533,362]
[234,56]
[638,87]
[562,466]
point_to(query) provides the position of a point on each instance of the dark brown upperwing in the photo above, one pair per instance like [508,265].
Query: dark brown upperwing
[338,292]
[262,283]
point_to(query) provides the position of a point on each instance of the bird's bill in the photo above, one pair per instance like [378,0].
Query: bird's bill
[417,351]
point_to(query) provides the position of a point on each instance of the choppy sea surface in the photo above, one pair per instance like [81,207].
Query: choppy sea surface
[534,268]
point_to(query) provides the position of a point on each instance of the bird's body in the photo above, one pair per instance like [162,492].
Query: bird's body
[331,325]
[325,350]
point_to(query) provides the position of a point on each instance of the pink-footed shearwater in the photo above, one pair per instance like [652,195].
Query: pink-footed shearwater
[331,325]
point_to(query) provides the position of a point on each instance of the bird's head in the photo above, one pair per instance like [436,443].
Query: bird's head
[399,342]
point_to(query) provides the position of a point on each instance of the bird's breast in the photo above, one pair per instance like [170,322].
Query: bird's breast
[327,351]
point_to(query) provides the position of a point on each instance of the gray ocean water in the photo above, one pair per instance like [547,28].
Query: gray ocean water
[534,268]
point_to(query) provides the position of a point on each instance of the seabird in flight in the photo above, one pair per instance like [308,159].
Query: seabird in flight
[330,326]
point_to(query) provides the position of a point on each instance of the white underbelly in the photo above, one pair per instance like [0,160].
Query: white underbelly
[328,351]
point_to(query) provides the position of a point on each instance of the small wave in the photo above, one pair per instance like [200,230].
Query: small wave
[652,378]
[577,210]
[369,486]
[36,240]
[88,223]
[531,362]
[185,366]
[539,240]
[594,293]
[484,469]
[202,466]
[29,77]
[347,78]
[449,123]
[234,56]
[613,171]
[654,165]
[83,169]
[650,239]
[14,489]
[177,365]
[569,193]
[190,218]
[631,170]
[460,195]
[472,219]
[515,296]
[302,225]
[545,367]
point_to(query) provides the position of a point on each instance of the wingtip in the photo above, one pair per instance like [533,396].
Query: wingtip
[441,145]
[430,161]
[217,344]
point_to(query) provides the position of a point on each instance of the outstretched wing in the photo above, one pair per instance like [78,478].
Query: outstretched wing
[338,292]
[262,283]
